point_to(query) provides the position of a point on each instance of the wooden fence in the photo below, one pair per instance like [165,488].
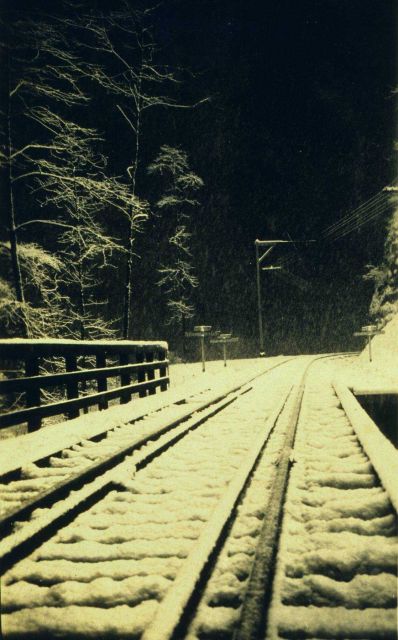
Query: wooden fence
[67,366]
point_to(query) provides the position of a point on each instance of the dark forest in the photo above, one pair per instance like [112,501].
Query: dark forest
[145,146]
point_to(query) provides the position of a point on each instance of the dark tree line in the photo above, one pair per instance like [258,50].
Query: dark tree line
[75,204]
[103,129]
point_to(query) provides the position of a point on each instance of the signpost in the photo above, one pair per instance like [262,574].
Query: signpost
[369,331]
[224,339]
[200,331]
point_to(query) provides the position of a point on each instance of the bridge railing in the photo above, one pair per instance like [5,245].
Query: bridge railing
[87,372]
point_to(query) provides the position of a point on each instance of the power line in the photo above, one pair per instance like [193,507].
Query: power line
[356,213]
[371,216]
[364,214]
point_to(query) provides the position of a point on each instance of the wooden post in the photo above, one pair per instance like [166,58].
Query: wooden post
[102,383]
[33,393]
[163,370]
[83,386]
[151,373]
[72,386]
[124,378]
[141,374]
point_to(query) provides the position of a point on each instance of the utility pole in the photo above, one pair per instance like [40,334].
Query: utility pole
[259,304]
[269,244]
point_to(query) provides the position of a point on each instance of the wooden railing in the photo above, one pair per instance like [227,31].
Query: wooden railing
[66,366]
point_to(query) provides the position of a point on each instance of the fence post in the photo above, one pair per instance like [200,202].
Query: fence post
[102,384]
[72,386]
[124,378]
[151,373]
[163,370]
[33,393]
[141,377]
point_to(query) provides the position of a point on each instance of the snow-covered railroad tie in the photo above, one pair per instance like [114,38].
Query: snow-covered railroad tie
[43,479]
[336,574]
[176,550]
[106,572]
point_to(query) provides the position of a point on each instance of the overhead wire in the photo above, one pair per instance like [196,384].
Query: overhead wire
[355,214]
[367,213]
[370,216]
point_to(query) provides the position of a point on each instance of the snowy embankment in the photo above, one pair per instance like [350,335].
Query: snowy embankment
[384,351]
[107,571]
[382,371]
[336,570]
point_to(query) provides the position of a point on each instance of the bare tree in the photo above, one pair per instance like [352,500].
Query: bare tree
[35,67]
[42,306]
[74,183]
[126,68]
[55,165]
[177,273]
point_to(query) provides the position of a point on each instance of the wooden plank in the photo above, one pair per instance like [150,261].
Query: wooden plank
[22,415]
[150,373]
[164,373]
[141,376]
[49,380]
[20,349]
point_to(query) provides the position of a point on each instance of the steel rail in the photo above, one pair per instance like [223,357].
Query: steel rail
[175,611]
[253,619]
[168,621]
[376,446]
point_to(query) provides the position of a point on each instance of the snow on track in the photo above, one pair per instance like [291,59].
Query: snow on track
[336,569]
[69,449]
[106,573]
[150,526]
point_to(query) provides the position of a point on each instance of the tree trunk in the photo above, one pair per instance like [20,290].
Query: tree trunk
[127,285]
[82,303]
[130,241]
[183,329]
[8,198]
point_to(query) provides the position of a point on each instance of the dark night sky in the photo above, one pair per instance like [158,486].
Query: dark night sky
[299,130]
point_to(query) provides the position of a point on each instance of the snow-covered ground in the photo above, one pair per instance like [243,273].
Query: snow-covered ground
[124,552]
[191,373]
[336,570]
[382,371]
[108,571]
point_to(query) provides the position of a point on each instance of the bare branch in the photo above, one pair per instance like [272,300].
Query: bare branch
[126,118]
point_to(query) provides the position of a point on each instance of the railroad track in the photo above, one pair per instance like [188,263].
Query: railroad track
[162,546]
[39,484]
